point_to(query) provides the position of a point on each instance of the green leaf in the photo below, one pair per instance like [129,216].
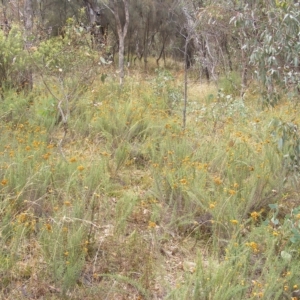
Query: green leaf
[273,206]
[275,221]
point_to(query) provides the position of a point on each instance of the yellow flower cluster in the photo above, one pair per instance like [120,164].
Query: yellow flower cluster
[151,224]
[254,246]
[255,215]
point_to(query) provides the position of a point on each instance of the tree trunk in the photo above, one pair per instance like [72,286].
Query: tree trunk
[91,11]
[146,38]
[122,32]
[26,78]
[162,51]
[244,71]
[28,13]
[121,58]
[187,40]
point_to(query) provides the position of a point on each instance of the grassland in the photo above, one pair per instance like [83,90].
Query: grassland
[119,202]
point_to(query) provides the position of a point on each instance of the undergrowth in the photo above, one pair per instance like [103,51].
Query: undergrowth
[120,203]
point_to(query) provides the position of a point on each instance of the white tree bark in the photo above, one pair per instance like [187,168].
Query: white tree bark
[122,32]
[26,80]
[28,15]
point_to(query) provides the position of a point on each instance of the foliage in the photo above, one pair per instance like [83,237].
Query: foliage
[164,86]
[287,136]
[14,60]
[269,30]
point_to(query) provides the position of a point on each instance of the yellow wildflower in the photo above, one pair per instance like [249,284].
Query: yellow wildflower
[234,222]
[46,156]
[253,246]
[212,205]
[232,192]
[4,182]
[48,227]
[80,168]
[217,180]
[255,215]
[73,159]
[151,224]
[183,181]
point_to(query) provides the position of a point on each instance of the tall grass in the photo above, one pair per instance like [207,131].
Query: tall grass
[130,205]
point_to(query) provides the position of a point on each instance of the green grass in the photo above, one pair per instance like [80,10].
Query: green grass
[127,205]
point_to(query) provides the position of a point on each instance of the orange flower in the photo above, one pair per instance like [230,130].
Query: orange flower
[232,192]
[48,227]
[212,205]
[151,224]
[4,182]
[80,168]
[255,215]
[183,181]
[253,246]
[46,156]
[218,180]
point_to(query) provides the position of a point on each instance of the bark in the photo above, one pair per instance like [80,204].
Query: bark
[185,82]
[26,82]
[28,14]
[92,11]
[244,71]
[162,51]
[122,32]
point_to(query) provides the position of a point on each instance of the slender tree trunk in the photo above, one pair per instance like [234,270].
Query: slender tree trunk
[228,55]
[146,37]
[121,58]
[28,14]
[187,40]
[122,32]
[161,52]
[244,71]
[26,80]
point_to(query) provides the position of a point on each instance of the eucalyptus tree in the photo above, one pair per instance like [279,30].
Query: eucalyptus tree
[26,78]
[271,38]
